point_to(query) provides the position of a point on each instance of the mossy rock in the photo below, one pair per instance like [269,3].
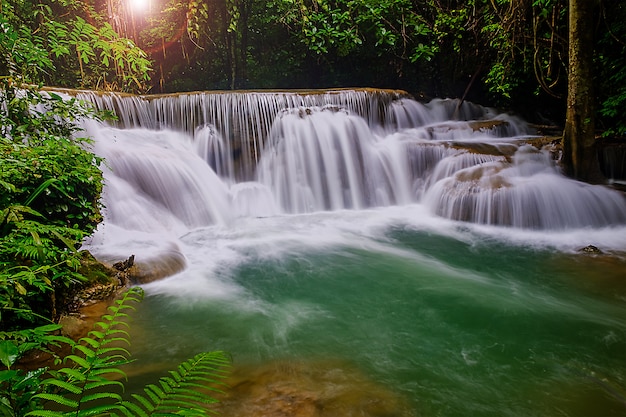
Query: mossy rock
[95,271]
[101,283]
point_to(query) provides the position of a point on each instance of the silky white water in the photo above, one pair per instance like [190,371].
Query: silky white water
[401,258]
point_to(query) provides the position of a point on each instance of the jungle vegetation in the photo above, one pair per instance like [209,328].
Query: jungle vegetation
[512,54]
[516,55]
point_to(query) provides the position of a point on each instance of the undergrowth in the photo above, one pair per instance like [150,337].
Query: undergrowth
[84,385]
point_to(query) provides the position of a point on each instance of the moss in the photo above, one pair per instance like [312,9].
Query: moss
[95,271]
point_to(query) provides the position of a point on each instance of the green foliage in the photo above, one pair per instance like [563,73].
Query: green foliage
[185,389]
[84,386]
[39,37]
[498,81]
[77,389]
[52,185]
[344,27]
[17,387]
[23,53]
[50,182]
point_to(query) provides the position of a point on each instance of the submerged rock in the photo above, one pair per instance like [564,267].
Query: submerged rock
[308,389]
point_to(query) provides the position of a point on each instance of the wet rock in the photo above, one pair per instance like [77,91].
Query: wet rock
[78,324]
[590,249]
[148,270]
[102,283]
[124,265]
[477,125]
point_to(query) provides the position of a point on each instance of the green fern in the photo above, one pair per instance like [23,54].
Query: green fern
[79,390]
[183,392]
[83,390]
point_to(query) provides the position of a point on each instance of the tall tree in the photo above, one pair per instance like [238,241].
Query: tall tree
[579,144]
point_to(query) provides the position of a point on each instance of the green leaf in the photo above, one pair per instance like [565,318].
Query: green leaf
[78,360]
[9,353]
[63,385]
[102,384]
[45,413]
[143,401]
[131,410]
[89,353]
[99,372]
[156,390]
[32,377]
[73,373]
[48,328]
[99,396]
[97,410]
[19,288]
[58,399]
[7,375]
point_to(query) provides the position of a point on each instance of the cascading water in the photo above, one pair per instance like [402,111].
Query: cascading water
[372,238]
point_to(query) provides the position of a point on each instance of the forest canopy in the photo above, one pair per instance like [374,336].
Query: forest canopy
[512,54]
[508,53]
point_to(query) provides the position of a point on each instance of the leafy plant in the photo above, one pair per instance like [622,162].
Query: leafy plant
[37,37]
[50,205]
[17,387]
[100,353]
[185,389]
[50,183]
[83,386]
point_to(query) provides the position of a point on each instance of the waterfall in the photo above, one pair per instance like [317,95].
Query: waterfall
[285,227]
[324,159]
[194,160]
[243,119]
[527,193]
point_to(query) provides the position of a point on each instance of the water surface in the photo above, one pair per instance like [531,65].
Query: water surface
[426,316]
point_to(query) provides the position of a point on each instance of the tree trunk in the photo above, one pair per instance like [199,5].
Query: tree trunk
[579,147]
[243,47]
[232,46]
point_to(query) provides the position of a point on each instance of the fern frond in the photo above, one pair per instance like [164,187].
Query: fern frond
[111,332]
[91,342]
[107,351]
[99,396]
[73,373]
[191,400]
[165,385]
[185,390]
[88,352]
[101,384]
[83,387]
[152,396]
[108,371]
[77,360]
[130,409]
[144,402]
[58,399]
[44,413]
[64,385]
[96,411]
